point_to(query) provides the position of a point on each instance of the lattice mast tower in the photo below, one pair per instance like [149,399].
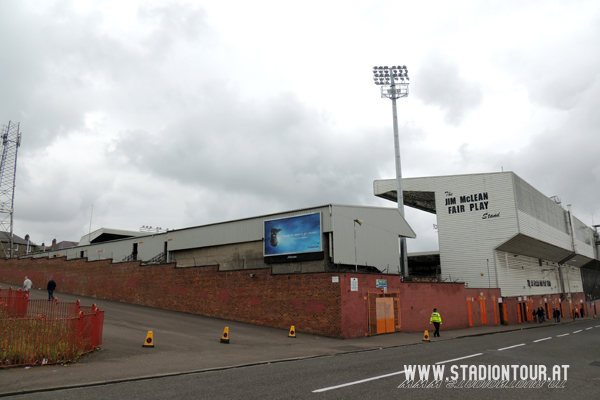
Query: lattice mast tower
[11,140]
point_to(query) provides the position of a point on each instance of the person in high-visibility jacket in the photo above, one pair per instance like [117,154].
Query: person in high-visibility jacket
[436,320]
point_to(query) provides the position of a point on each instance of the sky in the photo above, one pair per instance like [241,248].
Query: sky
[174,114]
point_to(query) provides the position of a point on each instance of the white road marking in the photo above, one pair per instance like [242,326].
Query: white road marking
[587,329]
[437,363]
[541,340]
[460,358]
[384,376]
[511,347]
[357,382]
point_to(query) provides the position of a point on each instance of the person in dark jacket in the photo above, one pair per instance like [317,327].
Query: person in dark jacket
[51,288]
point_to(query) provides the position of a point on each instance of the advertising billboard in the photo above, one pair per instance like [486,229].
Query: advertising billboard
[293,235]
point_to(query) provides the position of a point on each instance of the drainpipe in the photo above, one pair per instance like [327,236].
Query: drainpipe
[572,225]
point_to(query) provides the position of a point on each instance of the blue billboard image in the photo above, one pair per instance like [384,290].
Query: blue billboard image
[301,234]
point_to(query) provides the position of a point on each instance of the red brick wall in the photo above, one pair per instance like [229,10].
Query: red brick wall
[310,302]
[537,301]
[593,308]
[417,301]
[490,298]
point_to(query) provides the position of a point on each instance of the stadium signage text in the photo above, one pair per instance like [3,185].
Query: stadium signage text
[469,202]
[534,282]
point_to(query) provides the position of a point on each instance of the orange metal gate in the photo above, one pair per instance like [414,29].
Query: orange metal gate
[385,314]
[483,311]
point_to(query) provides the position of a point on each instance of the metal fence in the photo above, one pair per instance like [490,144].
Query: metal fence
[46,331]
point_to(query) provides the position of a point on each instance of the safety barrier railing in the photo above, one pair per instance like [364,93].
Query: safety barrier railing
[46,332]
[13,302]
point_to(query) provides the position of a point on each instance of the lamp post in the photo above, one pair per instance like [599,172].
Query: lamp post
[394,85]
[360,222]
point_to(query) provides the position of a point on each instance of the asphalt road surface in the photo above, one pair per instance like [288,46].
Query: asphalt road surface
[571,350]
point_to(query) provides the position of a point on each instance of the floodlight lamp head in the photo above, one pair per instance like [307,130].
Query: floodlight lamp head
[359,221]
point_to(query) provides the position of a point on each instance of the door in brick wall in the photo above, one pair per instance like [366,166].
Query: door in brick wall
[503,313]
[483,311]
[470,308]
[385,314]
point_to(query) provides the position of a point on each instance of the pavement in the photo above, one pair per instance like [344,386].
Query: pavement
[187,343]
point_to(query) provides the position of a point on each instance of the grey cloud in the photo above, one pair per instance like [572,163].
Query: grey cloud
[560,72]
[438,82]
[278,150]
[173,22]
[68,65]
[561,161]
[232,158]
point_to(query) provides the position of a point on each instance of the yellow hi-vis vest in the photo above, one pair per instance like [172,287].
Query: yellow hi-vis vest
[435,317]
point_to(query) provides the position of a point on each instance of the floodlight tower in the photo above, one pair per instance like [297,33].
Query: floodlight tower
[11,140]
[394,85]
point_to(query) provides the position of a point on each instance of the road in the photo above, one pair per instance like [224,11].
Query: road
[379,373]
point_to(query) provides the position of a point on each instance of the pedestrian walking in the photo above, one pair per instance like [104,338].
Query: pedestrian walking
[576,312]
[27,284]
[51,287]
[543,314]
[436,320]
[534,313]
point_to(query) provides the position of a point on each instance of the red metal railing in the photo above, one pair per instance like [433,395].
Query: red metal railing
[46,331]
[13,302]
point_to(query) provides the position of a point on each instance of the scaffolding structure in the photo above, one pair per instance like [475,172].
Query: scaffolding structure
[11,140]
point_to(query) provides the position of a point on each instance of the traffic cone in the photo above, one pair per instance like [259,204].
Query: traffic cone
[149,340]
[292,332]
[225,337]
[426,336]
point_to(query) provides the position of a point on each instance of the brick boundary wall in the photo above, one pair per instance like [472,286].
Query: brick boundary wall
[317,303]
[310,302]
[416,303]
